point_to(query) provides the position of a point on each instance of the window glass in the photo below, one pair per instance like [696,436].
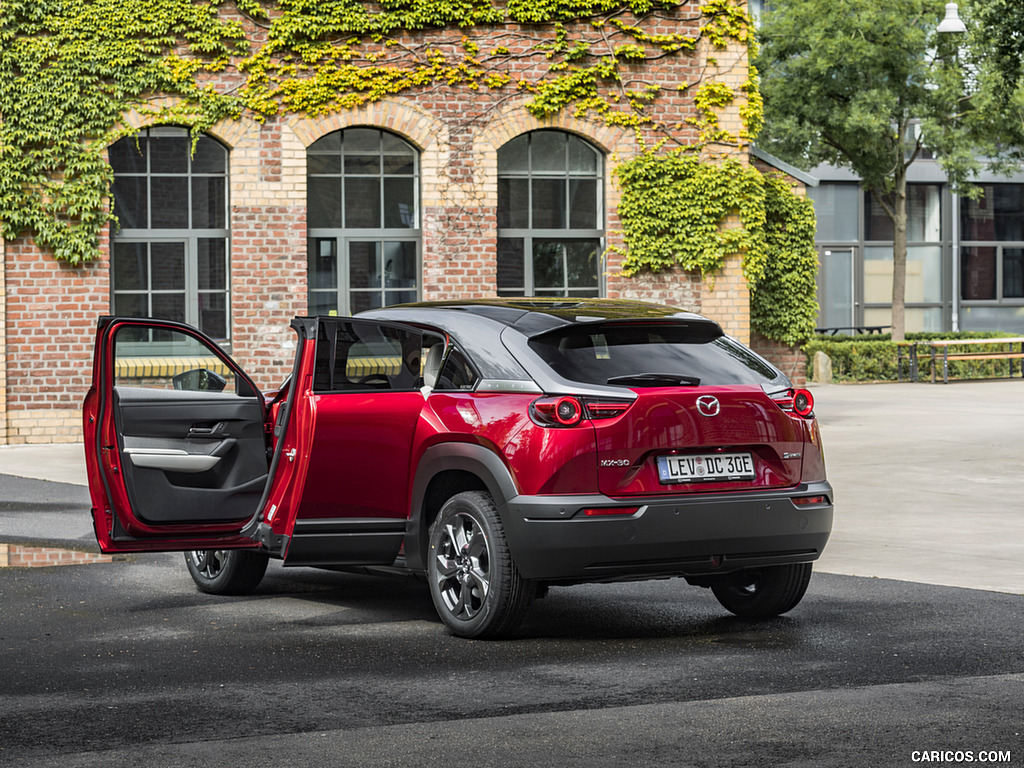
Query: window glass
[997,215]
[131,201]
[923,215]
[169,202]
[924,274]
[208,196]
[457,373]
[362,203]
[549,209]
[1013,273]
[836,210]
[515,212]
[548,152]
[357,357]
[197,368]
[324,202]
[617,353]
[977,272]
[514,156]
[363,218]
[511,277]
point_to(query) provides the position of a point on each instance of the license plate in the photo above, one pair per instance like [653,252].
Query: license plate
[709,466]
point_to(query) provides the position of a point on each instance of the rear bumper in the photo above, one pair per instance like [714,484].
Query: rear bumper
[696,535]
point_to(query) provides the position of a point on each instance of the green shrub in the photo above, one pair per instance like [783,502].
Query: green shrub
[874,357]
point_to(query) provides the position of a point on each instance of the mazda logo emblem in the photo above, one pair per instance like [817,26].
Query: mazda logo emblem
[708,405]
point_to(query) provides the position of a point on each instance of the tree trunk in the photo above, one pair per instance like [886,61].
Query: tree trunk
[899,256]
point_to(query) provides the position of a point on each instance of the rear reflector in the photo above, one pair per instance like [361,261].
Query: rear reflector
[607,409]
[602,511]
[801,501]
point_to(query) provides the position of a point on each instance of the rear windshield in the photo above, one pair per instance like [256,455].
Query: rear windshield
[651,355]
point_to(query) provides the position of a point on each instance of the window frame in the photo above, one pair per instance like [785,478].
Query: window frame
[530,236]
[190,236]
[343,237]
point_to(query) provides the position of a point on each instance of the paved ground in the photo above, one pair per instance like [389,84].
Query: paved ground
[927,480]
[125,663]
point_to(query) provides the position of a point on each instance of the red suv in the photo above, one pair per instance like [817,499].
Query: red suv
[496,447]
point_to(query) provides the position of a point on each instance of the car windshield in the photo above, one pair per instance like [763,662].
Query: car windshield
[646,354]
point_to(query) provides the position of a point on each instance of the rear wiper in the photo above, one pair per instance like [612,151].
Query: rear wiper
[655,380]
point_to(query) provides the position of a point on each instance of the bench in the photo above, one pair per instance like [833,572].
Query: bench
[943,346]
[856,329]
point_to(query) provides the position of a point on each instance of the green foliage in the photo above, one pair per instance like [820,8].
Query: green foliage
[71,69]
[675,211]
[783,304]
[874,357]
[673,208]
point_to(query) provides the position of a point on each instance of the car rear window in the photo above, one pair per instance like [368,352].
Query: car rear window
[651,355]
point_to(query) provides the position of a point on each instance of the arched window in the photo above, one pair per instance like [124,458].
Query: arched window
[363,209]
[169,250]
[550,216]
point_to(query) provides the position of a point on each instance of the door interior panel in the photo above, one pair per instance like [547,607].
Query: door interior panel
[190,456]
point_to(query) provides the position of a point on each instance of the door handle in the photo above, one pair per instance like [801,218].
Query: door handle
[214,431]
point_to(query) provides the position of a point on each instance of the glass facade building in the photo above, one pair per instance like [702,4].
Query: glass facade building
[965,257]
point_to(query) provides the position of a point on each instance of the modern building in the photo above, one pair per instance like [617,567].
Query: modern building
[965,257]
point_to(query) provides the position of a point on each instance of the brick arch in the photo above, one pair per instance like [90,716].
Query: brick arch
[416,125]
[612,141]
[230,132]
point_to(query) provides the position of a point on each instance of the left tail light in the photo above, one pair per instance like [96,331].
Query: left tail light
[799,402]
[569,411]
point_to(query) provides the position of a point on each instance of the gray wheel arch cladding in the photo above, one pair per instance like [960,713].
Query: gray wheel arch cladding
[468,458]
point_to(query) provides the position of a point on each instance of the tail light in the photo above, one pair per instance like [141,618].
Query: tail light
[796,401]
[569,411]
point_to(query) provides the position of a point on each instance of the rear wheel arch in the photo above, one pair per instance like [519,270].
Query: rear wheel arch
[444,471]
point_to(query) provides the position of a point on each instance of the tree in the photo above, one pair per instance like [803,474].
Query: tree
[868,86]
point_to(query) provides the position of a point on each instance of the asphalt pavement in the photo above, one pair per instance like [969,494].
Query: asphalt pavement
[125,663]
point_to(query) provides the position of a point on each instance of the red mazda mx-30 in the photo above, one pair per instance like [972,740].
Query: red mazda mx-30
[496,447]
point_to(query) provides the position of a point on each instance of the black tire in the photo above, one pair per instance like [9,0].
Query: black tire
[226,571]
[476,587]
[762,593]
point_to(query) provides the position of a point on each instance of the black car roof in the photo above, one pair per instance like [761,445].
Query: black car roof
[531,316]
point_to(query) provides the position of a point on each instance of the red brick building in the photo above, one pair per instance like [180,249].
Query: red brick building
[435,193]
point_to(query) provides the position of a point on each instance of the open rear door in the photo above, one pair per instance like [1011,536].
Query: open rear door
[175,443]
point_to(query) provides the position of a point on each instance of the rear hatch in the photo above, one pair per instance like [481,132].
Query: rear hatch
[698,440]
[701,415]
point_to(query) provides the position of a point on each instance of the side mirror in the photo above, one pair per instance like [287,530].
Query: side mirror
[199,380]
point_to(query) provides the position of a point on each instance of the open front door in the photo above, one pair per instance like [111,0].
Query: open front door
[175,443]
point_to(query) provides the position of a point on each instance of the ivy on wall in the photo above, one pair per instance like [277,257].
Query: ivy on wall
[679,211]
[71,69]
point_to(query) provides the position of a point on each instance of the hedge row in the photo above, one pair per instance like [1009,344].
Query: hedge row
[874,357]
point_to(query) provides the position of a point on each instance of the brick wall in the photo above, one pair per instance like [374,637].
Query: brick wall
[790,360]
[51,308]
[15,556]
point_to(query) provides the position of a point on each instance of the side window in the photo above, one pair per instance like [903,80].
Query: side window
[457,372]
[353,356]
[153,358]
